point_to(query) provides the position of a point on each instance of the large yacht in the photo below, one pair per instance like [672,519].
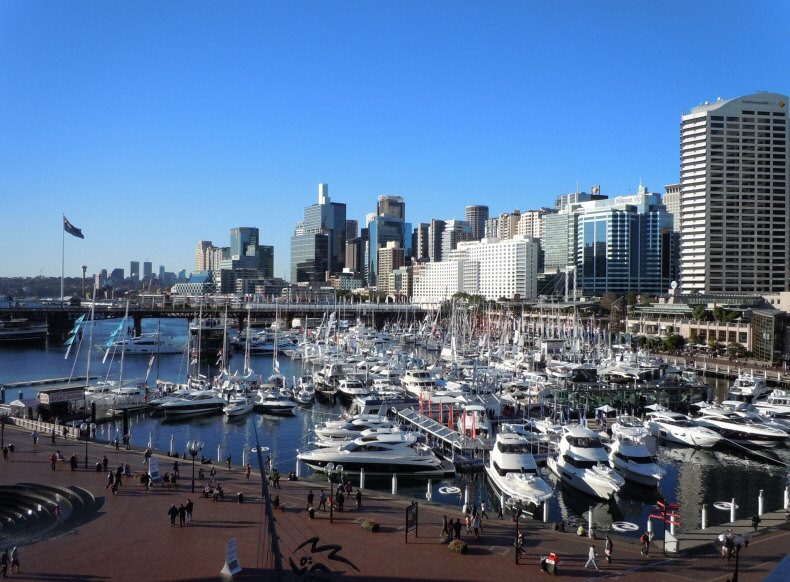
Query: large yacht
[511,469]
[583,463]
[349,428]
[473,421]
[383,454]
[740,428]
[679,428]
[419,382]
[237,406]
[747,388]
[198,402]
[273,402]
[632,460]
[143,344]
[350,388]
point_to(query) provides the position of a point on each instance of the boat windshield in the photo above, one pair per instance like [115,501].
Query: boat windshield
[585,442]
[520,448]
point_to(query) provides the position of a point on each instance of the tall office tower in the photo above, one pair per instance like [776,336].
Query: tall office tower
[624,244]
[419,243]
[381,230]
[327,219]
[476,216]
[352,229]
[734,203]
[243,241]
[161,274]
[391,206]
[202,255]
[455,231]
[134,269]
[671,200]
[558,242]
[435,232]
[148,270]
[565,200]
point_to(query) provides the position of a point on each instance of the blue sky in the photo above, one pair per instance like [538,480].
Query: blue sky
[153,125]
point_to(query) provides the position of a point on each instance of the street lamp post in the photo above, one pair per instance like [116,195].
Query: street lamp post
[193,448]
[331,471]
[86,430]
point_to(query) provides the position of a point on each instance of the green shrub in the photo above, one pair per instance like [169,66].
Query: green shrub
[457,546]
[370,525]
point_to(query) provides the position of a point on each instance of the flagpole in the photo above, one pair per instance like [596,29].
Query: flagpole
[62,257]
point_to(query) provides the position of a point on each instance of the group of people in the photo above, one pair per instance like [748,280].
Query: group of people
[9,560]
[473,520]
[592,554]
[183,513]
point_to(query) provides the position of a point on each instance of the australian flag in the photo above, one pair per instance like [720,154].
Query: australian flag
[71,229]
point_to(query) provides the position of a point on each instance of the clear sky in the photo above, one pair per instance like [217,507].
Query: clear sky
[153,125]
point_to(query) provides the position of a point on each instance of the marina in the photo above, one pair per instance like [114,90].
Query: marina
[713,472]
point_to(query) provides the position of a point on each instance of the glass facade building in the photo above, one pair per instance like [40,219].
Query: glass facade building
[309,258]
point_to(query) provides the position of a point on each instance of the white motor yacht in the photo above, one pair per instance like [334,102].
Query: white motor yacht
[632,460]
[583,463]
[630,427]
[679,428]
[272,402]
[198,402]
[747,388]
[399,453]
[740,428]
[237,406]
[349,428]
[144,344]
[419,382]
[777,404]
[512,470]
[350,388]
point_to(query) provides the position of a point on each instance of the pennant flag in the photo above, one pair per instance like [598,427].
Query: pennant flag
[474,432]
[71,229]
[450,418]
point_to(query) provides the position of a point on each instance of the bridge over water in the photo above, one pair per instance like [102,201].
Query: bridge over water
[61,318]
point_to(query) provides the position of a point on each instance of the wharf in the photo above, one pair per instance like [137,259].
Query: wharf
[129,536]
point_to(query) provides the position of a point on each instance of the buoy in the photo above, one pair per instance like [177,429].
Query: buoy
[724,505]
[261,449]
[449,490]
[624,526]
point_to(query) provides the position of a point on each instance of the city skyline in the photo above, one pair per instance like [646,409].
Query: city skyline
[152,127]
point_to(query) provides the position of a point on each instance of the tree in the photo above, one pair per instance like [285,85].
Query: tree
[700,313]
[693,338]
[607,299]
[673,343]
[735,350]
[713,344]
[631,298]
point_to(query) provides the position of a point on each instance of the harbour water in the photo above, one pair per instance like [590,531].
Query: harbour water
[693,477]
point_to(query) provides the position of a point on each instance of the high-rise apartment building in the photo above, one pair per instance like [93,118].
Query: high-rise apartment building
[203,255]
[435,232]
[476,216]
[455,231]
[671,200]
[734,204]
[419,243]
[391,257]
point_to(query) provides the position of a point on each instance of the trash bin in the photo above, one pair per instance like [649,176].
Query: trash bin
[549,563]
[240,495]
[11,447]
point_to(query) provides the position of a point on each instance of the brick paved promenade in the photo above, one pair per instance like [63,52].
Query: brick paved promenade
[130,538]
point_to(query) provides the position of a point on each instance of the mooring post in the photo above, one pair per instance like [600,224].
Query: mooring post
[545,511]
[704,523]
[760,503]
[590,522]
[394,484]
[362,477]
[732,510]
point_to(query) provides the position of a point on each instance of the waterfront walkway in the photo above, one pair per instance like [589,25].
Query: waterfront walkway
[130,538]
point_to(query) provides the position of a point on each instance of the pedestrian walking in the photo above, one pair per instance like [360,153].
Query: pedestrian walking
[483,510]
[145,479]
[14,559]
[359,498]
[755,521]
[172,512]
[146,456]
[249,469]
[277,479]
[190,506]
[322,501]
[53,436]
[591,558]
[73,461]
[310,498]
[53,460]
[445,528]
[5,453]
[175,468]
[607,549]
[645,540]
[476,526]
[182,515]
[35,437]
[212,474]
[58,513]
[468,524]
[4,563]
[500,514]
[340,499]
[104,462]
[228,461]
[110,479]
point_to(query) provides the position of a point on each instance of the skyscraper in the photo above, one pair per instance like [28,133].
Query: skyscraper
[734,204]
[148,270]
[476,216]
[391,206]
[134,269]
[325,219]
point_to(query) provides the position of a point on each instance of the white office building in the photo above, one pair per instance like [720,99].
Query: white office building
[734,204]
